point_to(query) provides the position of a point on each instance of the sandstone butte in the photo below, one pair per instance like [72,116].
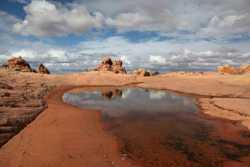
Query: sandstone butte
[19,64]
[52,133]
[227,69]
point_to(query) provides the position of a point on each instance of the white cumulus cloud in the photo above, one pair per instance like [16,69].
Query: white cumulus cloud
[211,18]
[157,59]
[44,18]
[201,17]
[230,24]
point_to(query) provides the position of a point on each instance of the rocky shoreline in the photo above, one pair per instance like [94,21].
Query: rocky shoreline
[21,101]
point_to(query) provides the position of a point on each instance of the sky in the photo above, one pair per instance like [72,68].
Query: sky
[73,35]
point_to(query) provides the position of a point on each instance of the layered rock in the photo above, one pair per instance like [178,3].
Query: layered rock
[21,100]
[107,64]
[142,72]
[18,64]
[118,67]
[42,69]
[245,68]
[145,73]
[227,69]
[5,86]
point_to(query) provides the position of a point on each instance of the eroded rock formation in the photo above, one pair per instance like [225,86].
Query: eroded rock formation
[18,64]
[21,100]
[145,73]
[42,69]
[107,64]
[245,68]
[142,72]
[227,69]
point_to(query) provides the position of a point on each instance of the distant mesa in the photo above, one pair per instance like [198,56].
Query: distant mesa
[227,69]
[19,64]
[107,64]
[144,73]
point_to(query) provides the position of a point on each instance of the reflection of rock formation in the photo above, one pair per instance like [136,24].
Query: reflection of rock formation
[110,94]
[108,64]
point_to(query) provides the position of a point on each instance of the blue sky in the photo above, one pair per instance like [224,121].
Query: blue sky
[158,34]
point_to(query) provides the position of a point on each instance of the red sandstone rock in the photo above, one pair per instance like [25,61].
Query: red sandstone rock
[107,60]
[245,68]
[5,86]
[107,64]
[227,69]
[18,64]
[142,72]
[42,69]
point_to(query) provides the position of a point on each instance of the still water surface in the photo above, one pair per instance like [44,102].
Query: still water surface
[161,128]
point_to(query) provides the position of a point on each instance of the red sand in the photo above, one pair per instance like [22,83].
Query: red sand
[67,136]
[63,136]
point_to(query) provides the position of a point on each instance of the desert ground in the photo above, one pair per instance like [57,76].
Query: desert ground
[46,140]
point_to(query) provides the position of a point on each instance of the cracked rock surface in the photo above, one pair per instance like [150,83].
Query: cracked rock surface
[21,101]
